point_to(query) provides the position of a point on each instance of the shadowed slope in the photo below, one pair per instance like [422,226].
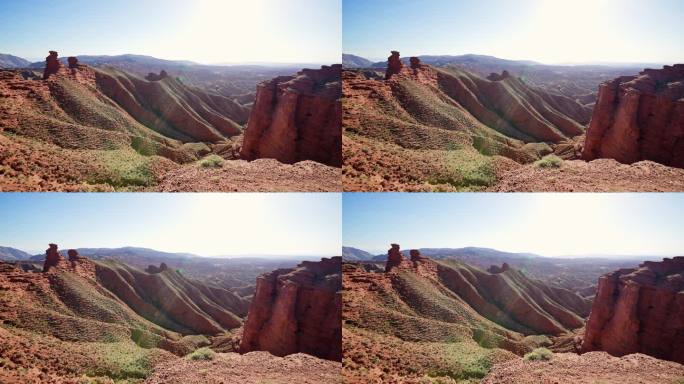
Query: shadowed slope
[172,108]
[453,120]
[172,301]
[447,319]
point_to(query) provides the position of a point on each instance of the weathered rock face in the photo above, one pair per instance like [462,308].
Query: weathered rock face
[640,310]
[497,77]
[496,269]
[52,65]
[297,310]
[394,257]
[297,118]
[74,256]
[52,257]
[394,65]
[640,118]
[415,64]
[416,256]
[154,77]
[154,269]
[73,62]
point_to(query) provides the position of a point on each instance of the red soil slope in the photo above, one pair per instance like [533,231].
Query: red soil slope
[297,310]
[640,310]
[172,301]
[640,118]
[446,319]
[297,118]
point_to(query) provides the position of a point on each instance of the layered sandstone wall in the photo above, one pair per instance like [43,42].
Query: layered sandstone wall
[297,310]
[640,118]
[297,118]
[640,310]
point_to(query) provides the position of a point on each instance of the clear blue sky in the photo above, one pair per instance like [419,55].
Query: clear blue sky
[207,31]
[549,31]
[202,223]
[551,224]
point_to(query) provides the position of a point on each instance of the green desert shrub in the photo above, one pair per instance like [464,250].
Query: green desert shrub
[202,354]
[212,161]
[539,354]
[550,161]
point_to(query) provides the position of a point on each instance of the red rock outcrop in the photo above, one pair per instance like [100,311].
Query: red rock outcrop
[52,257]
[297,118]
[416,256]
[640,310]
[415,64]
[640,118]
[497,77]
[52,65]
[496,269]
[394,65]
[154,269]
[297,310]
[394,257]
[73,62]
[154,77]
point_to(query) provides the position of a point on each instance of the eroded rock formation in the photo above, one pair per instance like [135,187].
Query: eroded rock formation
[52,65]
[394,65]
[52,257]
[640,118]
[154,269]
[73,63]
[154,77]
[297,118]
[496,77]
[394,257]
[297,310]
[416,256]
[496,269]
[640,310]
[415,64]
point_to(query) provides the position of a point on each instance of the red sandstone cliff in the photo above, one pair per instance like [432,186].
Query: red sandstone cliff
[297,118]
[297,310]
[640,310]
[640,118]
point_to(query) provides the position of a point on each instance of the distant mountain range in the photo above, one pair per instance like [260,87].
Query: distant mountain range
[11,61]
[353,61]
[8,253]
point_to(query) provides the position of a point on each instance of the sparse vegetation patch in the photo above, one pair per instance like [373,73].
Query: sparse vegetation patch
[539,354]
